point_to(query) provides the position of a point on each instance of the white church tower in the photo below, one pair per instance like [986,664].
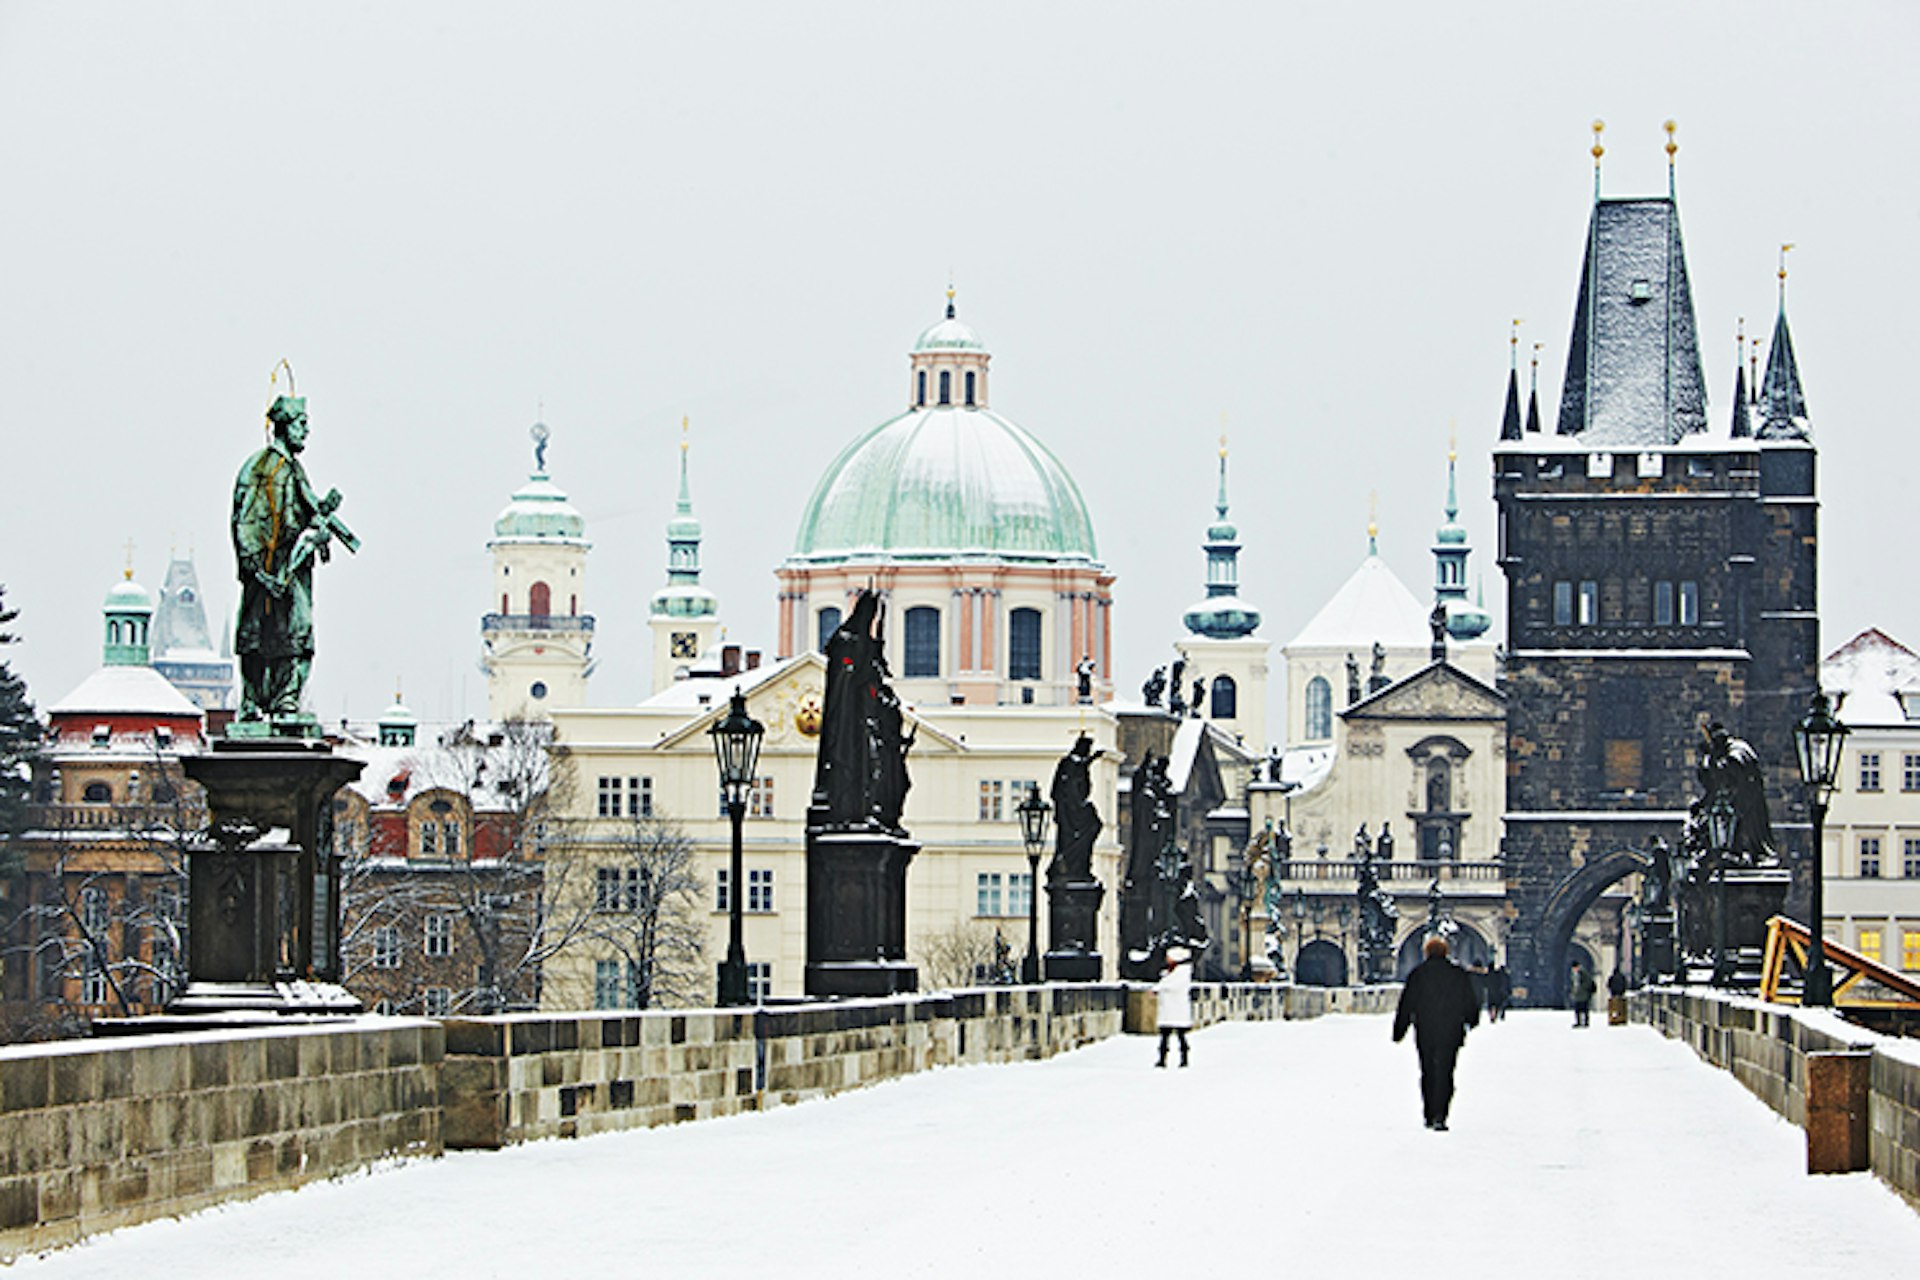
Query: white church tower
[537,650]
[683,616]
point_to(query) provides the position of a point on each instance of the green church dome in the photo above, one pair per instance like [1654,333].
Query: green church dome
[946,481]
[540,509]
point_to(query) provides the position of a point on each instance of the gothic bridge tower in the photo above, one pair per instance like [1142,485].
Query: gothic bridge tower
[1660,573]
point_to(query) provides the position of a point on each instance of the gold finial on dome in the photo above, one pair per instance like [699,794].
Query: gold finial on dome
[1453,439]
[1223,438]
[127,572]
[1373,522]
[949,295]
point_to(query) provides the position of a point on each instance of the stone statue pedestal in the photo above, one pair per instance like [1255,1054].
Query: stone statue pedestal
[263,883]
[1073,917]
[1751,898]
[1658,959]
[857,911]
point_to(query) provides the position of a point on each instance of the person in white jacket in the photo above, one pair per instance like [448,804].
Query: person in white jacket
[1175,992]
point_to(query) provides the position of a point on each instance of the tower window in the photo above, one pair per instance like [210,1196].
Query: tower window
[920,390]
[1225,698]
[946,386]
[969,388]
[829,623]
[540,600]
[1663,604]
[1689,604]
[922,658]
[1319,709]
[1563,604]
[1589,603]
[1023,644]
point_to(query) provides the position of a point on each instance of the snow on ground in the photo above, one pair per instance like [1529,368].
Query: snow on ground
[1573,1153]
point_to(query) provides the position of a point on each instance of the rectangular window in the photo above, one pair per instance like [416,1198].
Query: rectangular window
[1663,604]
[609,806]
[986,894]
[991,798]
[616,888]
[429,838]
[1563,604]
[1909,948]
[1689,604]
[760,889]
[759,982]
[386,947]
[639,797]
[93,983]
[1589,603]
[1869,770]
[722,891]
[760,798]
[450,838]
[438,936]
[1019,893]
[1623,764]
[1869,857]
[437,1002]
[1868,943]
[1910,772]
[1910,858]
[609,989]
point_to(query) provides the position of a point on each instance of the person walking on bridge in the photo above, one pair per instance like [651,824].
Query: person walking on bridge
[1175,992]
[1438,1003]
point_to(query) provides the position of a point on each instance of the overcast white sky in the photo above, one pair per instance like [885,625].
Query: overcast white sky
[1315,220]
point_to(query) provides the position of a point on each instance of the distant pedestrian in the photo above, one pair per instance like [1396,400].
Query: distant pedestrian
[1175,992]
[1499,992]
[1437,1002]
[1580,994]
[1617,984]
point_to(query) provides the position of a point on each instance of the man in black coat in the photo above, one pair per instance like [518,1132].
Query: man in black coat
[1437,1002]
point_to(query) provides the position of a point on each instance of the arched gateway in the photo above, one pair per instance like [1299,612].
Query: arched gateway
[1552,934]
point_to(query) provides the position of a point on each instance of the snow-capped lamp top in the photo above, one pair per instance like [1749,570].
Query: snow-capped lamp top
[949,477]
[539,510]
[127,614]
[1223,615]
[683,596]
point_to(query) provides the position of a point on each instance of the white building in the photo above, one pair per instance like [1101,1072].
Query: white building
[537,650]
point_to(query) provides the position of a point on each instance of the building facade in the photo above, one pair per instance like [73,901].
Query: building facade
[537,650]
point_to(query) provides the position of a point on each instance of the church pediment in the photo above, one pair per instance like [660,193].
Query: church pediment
[1436,692]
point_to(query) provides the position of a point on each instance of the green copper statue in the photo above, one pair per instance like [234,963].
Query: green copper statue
[279,529]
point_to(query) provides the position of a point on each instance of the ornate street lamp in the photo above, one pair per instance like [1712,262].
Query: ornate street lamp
[1720,823]
[1033,813]
[1818,741]
[736,748]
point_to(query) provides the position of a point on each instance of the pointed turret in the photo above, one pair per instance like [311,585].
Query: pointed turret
[1510,420]
[1742,418]
[1533,393]
[1783,405]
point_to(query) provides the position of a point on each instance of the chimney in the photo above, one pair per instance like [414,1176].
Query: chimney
[730,660]
[753,659]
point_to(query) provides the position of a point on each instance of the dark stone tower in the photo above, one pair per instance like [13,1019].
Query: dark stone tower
[1660,577]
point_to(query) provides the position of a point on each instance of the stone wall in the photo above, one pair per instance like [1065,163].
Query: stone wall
[1259,1002]
[105,1133]
[517,1078]
[1764,1047]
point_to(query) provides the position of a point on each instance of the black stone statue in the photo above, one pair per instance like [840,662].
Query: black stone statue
[1199,696]
[1353,681]
[1143,912]
[860,778]
[1176,701]
[1730,773]
[1155,687]
[1377,680]
[1076,822]
[1083,676]
[1383,847]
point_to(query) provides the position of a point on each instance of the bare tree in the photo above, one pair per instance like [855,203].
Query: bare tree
[964,954]
[645,920]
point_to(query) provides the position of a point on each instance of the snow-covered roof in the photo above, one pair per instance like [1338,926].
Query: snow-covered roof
[1879,676]
[1307,767]
[1372,605]
[430,767]
[127,691]
[701,690]
[1183,752]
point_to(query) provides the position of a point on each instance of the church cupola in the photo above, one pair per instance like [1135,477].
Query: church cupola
[1223,615]
[397,726]
[1465,620]
[949,366]
[683,615]
[537,649]
[128,617]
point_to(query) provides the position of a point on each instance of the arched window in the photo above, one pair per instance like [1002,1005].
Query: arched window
[1226,698]
[829,623]
[1439,786]
[969,388]
[97,793]
[922,657]
[540,600]
[920,396]
[1023,644]
[1319,708]
[946,386]
[113,631]
[504,603]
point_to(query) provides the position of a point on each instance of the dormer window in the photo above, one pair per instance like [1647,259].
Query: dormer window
[1641,290]
[102,735]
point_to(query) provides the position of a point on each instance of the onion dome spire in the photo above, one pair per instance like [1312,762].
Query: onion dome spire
[1464,621]
[1223,615]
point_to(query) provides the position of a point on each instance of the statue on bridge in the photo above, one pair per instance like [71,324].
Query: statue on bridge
[1076,821]
[1734,881]
[1732,778]
[860,777]
[1377,915]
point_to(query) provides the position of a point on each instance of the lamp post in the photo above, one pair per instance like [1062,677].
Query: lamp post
[1818,741]
[736,748]
[1033,813]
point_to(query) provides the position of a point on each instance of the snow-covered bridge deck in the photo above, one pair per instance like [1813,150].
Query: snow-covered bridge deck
[1286,1145]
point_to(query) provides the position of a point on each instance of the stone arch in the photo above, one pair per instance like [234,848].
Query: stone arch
[1320,963]
[1570,900]
[1470,949]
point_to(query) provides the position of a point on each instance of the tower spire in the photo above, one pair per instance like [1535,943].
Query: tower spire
[1742,416]
[1510,419]
[1533,392]
[1222,615]
[1783,404]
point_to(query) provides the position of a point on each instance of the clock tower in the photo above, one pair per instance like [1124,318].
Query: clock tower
[537,650]
[684,616]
